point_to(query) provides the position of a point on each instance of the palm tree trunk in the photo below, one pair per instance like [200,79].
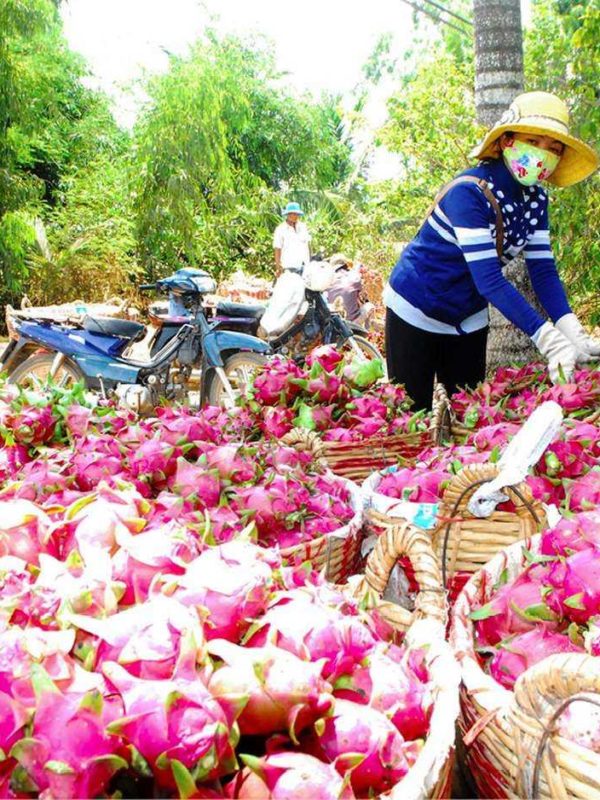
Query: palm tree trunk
[498,79]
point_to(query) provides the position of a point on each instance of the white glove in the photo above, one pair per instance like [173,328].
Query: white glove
[588,349]
[557,350]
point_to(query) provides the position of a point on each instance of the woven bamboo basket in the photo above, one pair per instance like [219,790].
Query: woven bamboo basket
[336,552]
[357,460]
[511,744]
[68,312]
[464,543]
[424,626]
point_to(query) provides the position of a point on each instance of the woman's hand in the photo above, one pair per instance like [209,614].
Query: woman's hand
[588,349]
[558,351]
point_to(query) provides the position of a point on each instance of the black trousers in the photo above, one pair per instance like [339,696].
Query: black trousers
[415,357]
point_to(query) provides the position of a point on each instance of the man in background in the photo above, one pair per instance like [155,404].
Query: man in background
[291,241]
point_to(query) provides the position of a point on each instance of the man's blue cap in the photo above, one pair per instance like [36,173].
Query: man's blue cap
[292,208]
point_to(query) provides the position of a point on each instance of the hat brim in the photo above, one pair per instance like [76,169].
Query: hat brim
[285,212]
[578,161]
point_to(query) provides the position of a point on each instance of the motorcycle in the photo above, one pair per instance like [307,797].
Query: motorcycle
[95,352]
[296,318]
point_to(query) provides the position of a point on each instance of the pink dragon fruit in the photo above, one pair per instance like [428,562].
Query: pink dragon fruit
[310,630]
[12,460]
[229,586]
[282,775]
[547,490]
[70,752]
[33,425]
[282,691]
[77,420]
[571,534]
[327,356]
[146,638]
[353,731]
[175,722]
[523,651]
[576,584]
[391,687]
[13,718]
[516,607]
[580,723]
[165,549]
[326,388]
[277,421]
[25,529]
[197,483]
[584,492]
[231,463]
[275,384]
[494,435]
[91,467]
[342,435]
[154,461]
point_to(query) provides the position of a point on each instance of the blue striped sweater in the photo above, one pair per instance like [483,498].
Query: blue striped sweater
[448,274]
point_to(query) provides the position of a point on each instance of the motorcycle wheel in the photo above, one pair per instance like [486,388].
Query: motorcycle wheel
[35,371]
[239,370]
[368,350]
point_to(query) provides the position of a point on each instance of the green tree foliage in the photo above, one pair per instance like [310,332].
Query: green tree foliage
[561,56]
[222,143]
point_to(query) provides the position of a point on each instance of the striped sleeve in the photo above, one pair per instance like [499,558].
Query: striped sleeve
[473,220]
[541,265]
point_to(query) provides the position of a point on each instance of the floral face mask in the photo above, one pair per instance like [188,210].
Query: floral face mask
[529,164]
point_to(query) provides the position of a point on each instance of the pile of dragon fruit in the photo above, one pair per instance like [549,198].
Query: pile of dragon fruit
[513,393]
[139,664]
[567,475]
[553,606]
[344,402]
[189,469]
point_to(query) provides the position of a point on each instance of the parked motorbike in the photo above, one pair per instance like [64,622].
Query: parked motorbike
[95,352]
[296,318]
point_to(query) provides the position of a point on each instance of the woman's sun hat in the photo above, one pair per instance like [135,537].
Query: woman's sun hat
[543,114]
[292,208]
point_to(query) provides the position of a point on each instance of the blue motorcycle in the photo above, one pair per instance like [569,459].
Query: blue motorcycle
[93,353]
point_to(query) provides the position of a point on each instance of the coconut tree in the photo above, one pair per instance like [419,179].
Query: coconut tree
[498,79]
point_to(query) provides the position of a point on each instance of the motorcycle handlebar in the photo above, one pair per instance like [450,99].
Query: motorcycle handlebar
[146,287]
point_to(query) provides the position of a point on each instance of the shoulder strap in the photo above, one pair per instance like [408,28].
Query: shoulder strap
[489,196]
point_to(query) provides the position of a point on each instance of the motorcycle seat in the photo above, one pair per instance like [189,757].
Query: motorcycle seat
[227,309]
[108,326]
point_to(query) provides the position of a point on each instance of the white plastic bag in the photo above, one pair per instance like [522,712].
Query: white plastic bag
[285,303]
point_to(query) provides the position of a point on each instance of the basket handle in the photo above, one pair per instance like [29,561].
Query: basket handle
[442,415]
[541,695]
[305,441]
[400,540]
[458,493]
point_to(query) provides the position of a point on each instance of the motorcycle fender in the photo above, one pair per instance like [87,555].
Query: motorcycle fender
[217,342]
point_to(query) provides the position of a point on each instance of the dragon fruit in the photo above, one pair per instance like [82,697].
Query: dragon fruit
[25,529]
[576,584]
[280,776]
[580,723]
[392,688]
[229,585]
[314,631]
[571,534]
[197,483]
[33,425]
[77,420]
[146,638]
[70,752]
[165,549]
[584,492]
[175,722]
[516,607]
[277,421]
[592,637]
[275,383]
[231,463]
[13,718]
[91,467]
[327,356]
[154,461]
[12,460]
[353,731]
[523,651]
[281,691]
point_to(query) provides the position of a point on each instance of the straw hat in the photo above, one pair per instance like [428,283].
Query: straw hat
[546,115]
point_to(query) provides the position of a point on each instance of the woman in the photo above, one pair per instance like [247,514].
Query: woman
[438,292]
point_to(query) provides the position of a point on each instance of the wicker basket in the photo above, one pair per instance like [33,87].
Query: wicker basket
[357,460]
[464,543]
[431,775]
[336,552]
[73,313]
[512,749]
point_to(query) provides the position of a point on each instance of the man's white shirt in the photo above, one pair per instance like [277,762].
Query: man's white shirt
[293,243]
